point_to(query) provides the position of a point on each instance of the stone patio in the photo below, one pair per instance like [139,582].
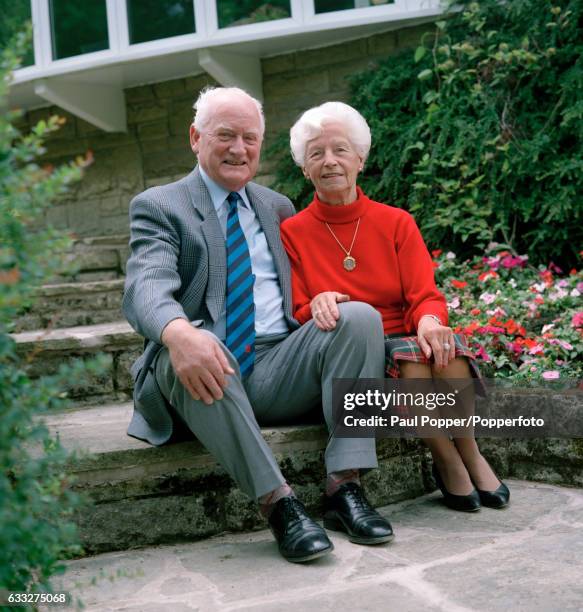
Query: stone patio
[525,557]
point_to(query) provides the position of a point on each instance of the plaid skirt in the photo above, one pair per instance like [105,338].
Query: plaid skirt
[406,348]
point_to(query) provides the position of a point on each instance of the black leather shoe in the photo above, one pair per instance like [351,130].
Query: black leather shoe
[299,538]
[463,503]
[348,510]
[495,499]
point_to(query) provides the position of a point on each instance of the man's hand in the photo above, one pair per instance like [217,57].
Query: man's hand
[436,339]
[198,360]
[325,310]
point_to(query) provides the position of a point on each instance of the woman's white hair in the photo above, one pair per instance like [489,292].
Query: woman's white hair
[309,126]
[203,106]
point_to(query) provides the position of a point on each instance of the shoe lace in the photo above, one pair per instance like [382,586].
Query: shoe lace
[293,510]
[357,497]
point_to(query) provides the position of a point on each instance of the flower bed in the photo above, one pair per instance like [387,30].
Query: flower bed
[523,323]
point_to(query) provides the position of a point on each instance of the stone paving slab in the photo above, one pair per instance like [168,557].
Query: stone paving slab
[525,557]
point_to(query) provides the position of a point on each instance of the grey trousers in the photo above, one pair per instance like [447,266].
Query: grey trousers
[291,377]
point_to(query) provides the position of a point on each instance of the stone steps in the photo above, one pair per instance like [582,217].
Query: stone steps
[145,495]
[73,304]
[132,485]
[96,258]
[46,350]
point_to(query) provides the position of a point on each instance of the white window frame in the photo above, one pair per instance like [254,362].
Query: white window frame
[252,31]
[367,14]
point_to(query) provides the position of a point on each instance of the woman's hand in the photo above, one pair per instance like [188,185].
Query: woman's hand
[437,340]
[325,310]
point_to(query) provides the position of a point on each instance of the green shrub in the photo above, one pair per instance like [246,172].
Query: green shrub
[35,502]
[479,132]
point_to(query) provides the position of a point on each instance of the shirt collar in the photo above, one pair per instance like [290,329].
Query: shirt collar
[218,193]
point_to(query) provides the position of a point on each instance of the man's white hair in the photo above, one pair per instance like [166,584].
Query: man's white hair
[203,107]
[309,126]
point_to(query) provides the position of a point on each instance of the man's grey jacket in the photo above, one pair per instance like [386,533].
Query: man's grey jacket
[177,269]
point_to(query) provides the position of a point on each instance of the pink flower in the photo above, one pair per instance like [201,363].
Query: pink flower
[577,320]
[481,353]
[551,374]
[455,303]
[579,287]
[492,329]
[515,347]
[554,268]
[487,298]
[512,262]
[537,349]
[565,345]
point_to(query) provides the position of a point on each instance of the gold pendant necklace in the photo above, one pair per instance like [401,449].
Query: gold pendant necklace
[349,262]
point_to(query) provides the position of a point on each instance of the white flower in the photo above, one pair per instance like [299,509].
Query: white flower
[539,287]
[512,283]
[450,255]
[546,328]
[575,293]
[454,303]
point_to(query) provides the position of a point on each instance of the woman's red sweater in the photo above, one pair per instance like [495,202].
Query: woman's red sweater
[394,271]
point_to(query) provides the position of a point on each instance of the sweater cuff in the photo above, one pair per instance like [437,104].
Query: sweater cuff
[303,314]
[435,309]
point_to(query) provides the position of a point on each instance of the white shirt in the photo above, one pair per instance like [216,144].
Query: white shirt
[269,315]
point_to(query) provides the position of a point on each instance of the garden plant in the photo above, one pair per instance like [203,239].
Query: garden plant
[36,502]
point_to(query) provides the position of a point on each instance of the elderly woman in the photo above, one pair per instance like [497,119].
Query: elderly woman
[343,247]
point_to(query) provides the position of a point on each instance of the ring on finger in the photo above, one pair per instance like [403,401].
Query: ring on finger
[446,345]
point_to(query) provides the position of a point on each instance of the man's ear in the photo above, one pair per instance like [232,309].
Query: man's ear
[194,138]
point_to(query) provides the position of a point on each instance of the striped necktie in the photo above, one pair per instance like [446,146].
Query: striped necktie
[240,306]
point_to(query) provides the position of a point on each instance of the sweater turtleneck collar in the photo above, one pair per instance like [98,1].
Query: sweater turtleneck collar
[339,214]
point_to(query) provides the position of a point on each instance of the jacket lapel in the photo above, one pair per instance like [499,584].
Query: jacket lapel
[269,222]
[211,231]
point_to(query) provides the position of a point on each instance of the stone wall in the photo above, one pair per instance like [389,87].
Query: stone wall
[155,149]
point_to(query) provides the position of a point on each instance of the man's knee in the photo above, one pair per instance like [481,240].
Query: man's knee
[360,318]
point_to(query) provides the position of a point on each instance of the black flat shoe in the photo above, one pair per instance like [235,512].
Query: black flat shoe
[349,511]
[495,499]
[298,537]
[463,503]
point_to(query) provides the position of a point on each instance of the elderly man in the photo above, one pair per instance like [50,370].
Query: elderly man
[208,286]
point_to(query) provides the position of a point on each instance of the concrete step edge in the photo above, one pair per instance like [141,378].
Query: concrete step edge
[85,337]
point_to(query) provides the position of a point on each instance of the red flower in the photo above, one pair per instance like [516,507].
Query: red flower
[435,254]
[538,300]
[512,326]
[475,311]
[459,284]
[547,277]
[488,274]
[572,272]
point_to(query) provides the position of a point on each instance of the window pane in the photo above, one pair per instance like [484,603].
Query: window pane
[327,6]
[78,27]
[243,12]
[155,19]
[15,14]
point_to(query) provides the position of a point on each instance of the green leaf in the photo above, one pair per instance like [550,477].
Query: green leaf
[420,54]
